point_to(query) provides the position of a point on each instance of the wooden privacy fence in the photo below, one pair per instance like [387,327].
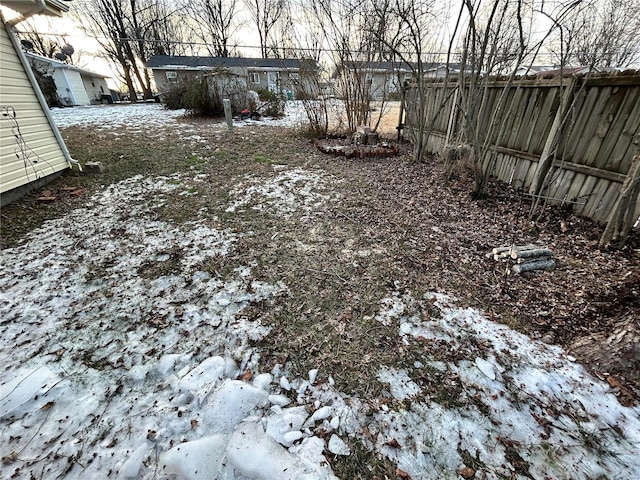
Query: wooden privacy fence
[563,139]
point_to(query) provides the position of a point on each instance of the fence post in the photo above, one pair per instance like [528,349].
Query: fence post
[401,123]
[227,113]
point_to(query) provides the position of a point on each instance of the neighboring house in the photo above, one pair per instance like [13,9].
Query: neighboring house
[385,78]
[327,89]
[75,86]
[382,78]
[32,150]
[274,74]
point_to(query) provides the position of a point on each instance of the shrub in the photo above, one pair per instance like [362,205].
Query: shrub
[273,103]
[304,94]
[48,88]
[172,99]
[195,97]
[197,101]
[266,95]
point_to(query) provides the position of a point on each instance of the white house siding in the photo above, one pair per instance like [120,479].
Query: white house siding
[73,92]
[92,87]
[16,91]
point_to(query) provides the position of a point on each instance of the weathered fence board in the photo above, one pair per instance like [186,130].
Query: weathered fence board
[591,141]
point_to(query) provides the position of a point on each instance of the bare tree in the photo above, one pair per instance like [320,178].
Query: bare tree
[497,39]
[129,31]
[599,34]
[215,24]
[348,29]
[265,14]
[107,21]
[167,32]
[46,45]
[403,30]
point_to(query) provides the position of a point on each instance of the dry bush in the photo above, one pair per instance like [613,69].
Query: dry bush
[457,161]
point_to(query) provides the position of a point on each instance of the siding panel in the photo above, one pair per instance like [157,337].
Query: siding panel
[40,155]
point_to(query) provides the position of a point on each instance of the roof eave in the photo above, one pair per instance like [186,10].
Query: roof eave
[29,8]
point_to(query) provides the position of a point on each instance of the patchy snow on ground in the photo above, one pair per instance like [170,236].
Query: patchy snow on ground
[296,190]
[125,355]
[143,116]
[524,403]
[121,353]
[294,116]
[149,117]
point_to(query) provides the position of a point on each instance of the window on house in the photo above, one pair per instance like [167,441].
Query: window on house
[368,79]
[294,77]
[172,76]
[255,77]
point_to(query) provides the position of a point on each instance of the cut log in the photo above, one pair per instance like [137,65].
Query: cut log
[371,138]
[537,265]
[536,252]
[517,247]
[529,260]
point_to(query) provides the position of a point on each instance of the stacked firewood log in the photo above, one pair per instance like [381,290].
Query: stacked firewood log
[524,258]
[358,151]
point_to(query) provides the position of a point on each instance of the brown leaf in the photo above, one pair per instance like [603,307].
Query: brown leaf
[613,381]
[402,474]
[393,443]
[47,406]
[246,376]
[466,472]
[194,423]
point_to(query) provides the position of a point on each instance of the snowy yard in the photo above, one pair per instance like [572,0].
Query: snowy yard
[128,355]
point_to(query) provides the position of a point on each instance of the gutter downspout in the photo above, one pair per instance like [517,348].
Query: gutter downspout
[36,88]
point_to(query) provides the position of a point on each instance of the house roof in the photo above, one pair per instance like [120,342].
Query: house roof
[34,7]
[400,66]
[567,71]
[385,66]
[533,69]
[199,63]
[453,67]
[57,64]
